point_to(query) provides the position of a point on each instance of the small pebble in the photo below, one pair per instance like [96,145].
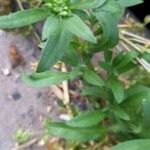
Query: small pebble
[41,142]
[64,117]
[49,109]
[39,95]
[41,118]
[6,72]
[16,95]
[2,32]
[17,75]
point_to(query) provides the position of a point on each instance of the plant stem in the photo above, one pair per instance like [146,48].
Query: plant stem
[125,46]
[20,4]
[65,87]
[66,91]
[138,41]
[135,36]
[26,145]
[144,63]
[130,43]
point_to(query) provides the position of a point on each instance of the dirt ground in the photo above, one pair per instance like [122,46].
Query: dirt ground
[20,105]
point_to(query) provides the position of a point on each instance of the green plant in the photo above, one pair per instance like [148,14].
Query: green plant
[22,136]
[73,32]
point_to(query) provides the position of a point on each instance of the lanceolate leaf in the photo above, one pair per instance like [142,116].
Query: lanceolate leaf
[56,45]
[133,107]
[71,57]
[23,18]
[126,3]
[50,26]
[108,16]
[76,26]
[48,78]
[86,4]
[123,59]
[142,144]
[117,88]
[126,68]
[141,91]
[87,119]
[146,114]
[146,56]
[91,77]
[94,91]
[146,119]
[114,8]
[110,36]
[135,96]
[119,112]
[72,133]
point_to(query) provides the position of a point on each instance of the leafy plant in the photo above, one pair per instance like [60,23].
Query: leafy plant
[22,136]
[73,32]
[134,144]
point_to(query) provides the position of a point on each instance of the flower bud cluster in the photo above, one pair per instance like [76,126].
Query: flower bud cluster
[59,6]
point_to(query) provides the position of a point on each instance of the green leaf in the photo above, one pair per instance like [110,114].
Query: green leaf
[93,91]
[71,57]
[142,144]
[87,4]
[91,77]
[146,119]
[50,26]
[56,45]
[108,55]
[82,14]
[134,108]
[119,112]
[140,91]
[135,96]
[108,16]
[117,88]
[146,114]
[146,133]
[87,119]
[126,68]
[76,26]
[48,78]
[105,65]
[146,56]
[136,127]
[72,133]
[124,59]
[110,36]
[114,8]
[126,3]
[23,18]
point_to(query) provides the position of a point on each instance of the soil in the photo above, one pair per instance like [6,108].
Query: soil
[21,106]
